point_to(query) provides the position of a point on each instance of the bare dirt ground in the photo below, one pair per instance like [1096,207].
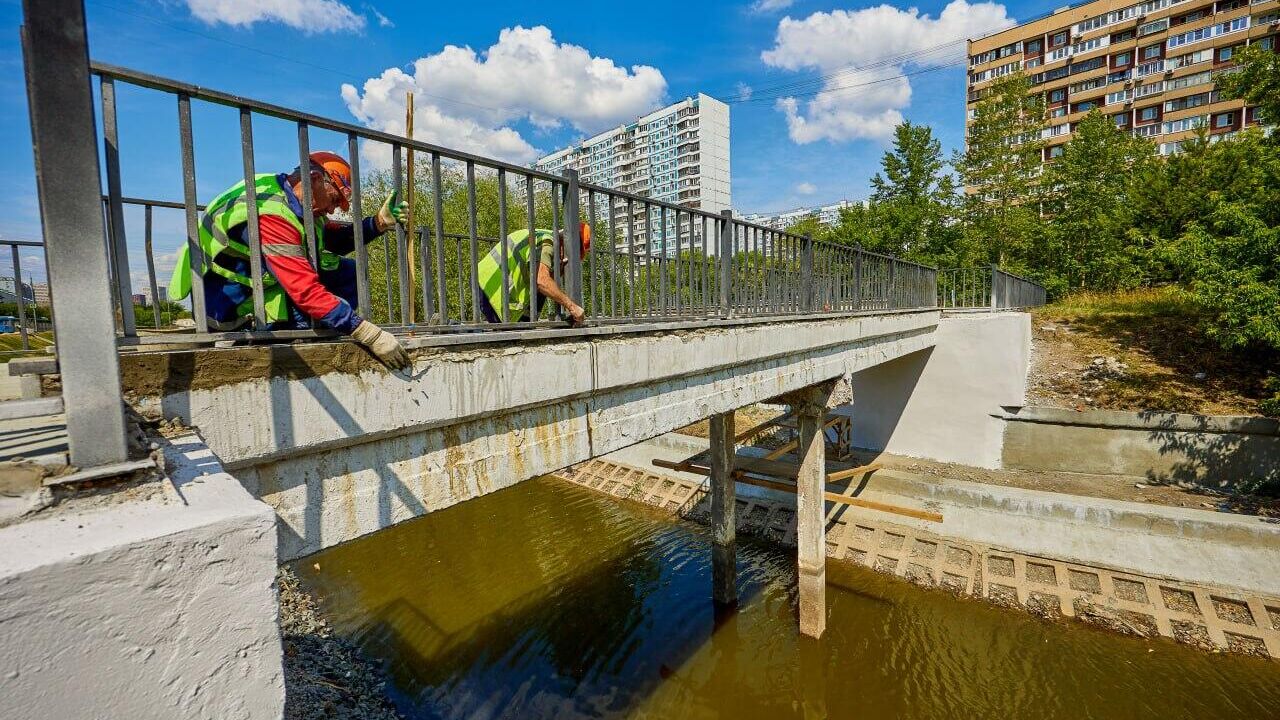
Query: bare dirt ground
[1142,350]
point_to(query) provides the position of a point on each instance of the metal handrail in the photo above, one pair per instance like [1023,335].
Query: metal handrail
[653,260]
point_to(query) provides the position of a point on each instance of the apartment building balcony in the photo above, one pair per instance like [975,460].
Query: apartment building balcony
[687,160]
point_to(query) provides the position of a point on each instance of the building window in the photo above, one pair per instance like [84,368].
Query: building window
[1055,151]
[1225,54]
[1058,112]
[1057,95]
[1058,39]
[1148,114]
[1222,120]
[1152,51]
[1122,59]
[1122,120]
[1122,36]
[1033,47]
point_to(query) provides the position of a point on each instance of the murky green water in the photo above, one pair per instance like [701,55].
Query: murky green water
[550,601]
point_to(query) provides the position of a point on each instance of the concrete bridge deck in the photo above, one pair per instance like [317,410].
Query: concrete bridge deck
[340,447]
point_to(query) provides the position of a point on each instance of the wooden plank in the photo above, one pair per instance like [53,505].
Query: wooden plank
[844,499]
[846,474]
[745,476]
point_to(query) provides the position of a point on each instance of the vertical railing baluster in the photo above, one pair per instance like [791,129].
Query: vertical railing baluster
[663,260]
[151,263]
[251,223]
[308,202]
[504,313]
[631,256]
[17,291]
[573,239]
[357,227]
[437,201]
[196,254]
[111,148]
[474,247]
[531,243]
[597,288]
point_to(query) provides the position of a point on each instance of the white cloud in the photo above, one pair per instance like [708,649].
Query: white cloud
[766,6]
[383,20]
[806,188]
[867,103]
[744,90]
[467,100]
[306,15]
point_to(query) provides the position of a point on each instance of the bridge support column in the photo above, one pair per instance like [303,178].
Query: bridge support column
[724,534]
[810,408]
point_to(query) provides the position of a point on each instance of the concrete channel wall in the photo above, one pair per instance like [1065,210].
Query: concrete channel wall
[161,606]
[940,403]
[1207,579]
[341,450]
[1228,453]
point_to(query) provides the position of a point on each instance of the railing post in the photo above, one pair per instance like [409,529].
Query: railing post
[857,277]
[572,236]
[726,263]
[806,272]
[56,54]
[995,274]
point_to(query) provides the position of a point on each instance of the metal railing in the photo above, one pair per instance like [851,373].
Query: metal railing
[649,259]
[20,296]
[987,288]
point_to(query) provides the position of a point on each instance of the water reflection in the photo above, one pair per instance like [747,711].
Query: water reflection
[549,601]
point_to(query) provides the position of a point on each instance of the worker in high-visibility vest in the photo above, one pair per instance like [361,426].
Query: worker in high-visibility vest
[295,289]
[489,275]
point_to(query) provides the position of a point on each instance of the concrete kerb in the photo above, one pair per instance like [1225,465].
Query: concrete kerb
[179,591]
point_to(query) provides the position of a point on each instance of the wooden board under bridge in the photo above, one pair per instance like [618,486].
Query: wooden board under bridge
[782,475]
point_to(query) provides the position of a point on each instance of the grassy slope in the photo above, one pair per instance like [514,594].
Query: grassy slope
[1157,333]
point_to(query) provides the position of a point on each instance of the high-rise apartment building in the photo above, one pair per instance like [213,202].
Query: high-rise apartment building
[678,154]
[825,214]
[1149,66]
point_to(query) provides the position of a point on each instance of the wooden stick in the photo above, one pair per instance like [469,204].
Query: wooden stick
[412,238]
[845,474]
[843,499]
[751,477]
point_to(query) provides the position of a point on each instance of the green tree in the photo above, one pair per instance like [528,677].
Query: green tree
[1256,80]
[913,197]
[1000,169]
[1087,198]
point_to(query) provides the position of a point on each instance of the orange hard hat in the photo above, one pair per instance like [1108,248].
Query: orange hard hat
[338,170]
[584,232]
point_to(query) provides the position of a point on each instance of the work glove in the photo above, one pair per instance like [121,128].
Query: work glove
[382,344]
[393,210]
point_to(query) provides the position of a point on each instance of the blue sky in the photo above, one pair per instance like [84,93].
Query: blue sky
[622,59]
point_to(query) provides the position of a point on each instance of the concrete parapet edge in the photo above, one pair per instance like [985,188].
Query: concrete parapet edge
[154,608]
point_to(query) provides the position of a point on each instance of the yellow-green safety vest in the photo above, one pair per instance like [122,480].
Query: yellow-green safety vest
[489,271]
[221,222]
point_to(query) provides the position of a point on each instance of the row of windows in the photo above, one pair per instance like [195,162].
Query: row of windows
[1205,33]
[1058,41]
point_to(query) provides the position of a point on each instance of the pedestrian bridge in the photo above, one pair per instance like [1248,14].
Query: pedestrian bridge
[340,447]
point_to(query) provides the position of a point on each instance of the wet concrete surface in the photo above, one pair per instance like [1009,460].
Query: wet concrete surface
[546,600]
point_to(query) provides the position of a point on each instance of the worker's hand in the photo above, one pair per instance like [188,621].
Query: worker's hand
[393,210]
[382,344]
[576,315]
